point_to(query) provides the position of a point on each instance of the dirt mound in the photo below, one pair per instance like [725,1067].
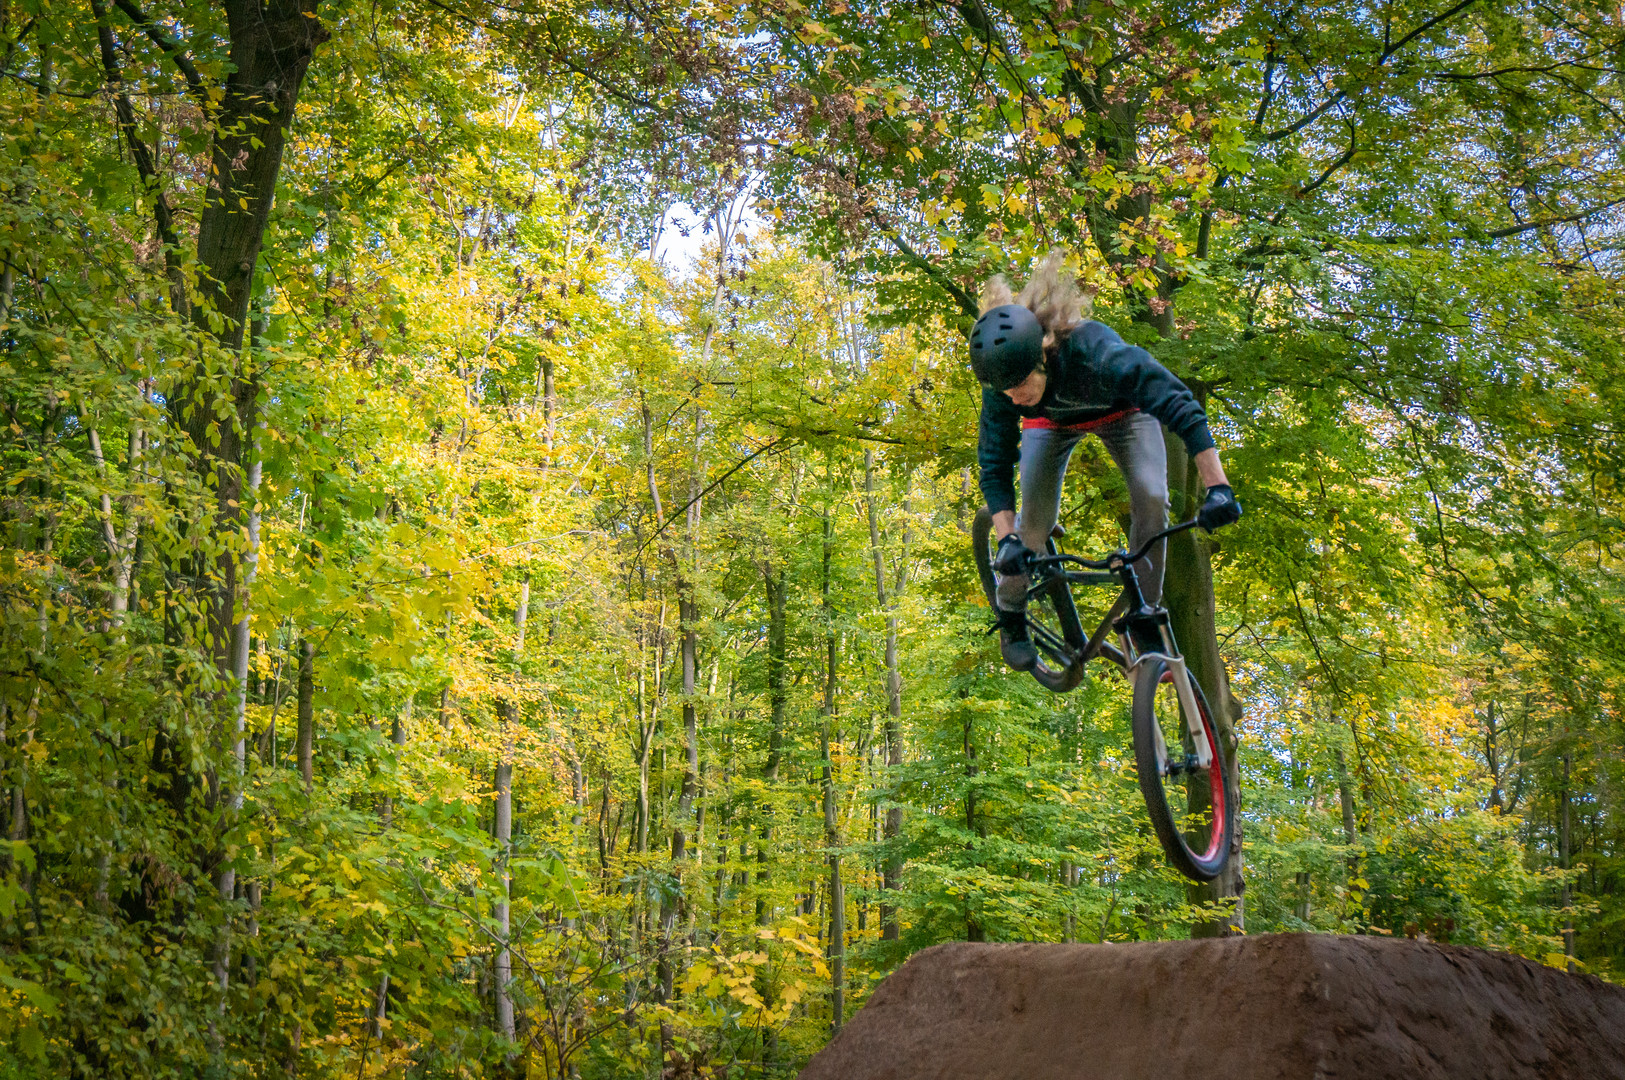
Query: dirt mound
[1274,1007]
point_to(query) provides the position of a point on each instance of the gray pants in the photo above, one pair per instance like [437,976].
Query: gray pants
[1135,443]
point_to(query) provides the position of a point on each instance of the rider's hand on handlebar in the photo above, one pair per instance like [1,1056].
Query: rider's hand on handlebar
[1219,509]
[1012,556]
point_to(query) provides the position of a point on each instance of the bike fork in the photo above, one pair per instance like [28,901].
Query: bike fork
[1193,715]
[1187,705]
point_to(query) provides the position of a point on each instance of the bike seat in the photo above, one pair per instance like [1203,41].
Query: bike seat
[1058,532]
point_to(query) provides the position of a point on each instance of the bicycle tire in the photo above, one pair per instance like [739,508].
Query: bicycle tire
[1052,616]
[1212,827]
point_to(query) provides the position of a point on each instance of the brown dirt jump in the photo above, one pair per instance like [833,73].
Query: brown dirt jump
[1273,1007]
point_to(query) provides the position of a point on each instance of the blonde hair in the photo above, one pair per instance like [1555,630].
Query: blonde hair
[1052,294]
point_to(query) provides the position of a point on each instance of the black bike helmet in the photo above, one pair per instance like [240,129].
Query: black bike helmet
[1005,345]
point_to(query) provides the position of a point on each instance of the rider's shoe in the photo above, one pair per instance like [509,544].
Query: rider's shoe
[1014,643]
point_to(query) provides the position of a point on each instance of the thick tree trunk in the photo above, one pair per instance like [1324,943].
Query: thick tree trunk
[691,720]
[1188,595]
[270,45]
[397,740]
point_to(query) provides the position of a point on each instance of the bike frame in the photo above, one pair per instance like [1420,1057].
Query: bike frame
[1129,613]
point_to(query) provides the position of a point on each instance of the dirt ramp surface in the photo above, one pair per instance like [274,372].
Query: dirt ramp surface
[1273,1007]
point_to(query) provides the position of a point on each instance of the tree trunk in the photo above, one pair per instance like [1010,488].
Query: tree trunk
[645,748]
[1188,595]
[237,750]
[974,930]
[1345,800]
[249,114]
[307,713]
[1564,856]
[502,833]
[502,826]
[549,408]
[777,589]
[832,835]
[892,869]
[1492,758]
[270,48]
[777,592]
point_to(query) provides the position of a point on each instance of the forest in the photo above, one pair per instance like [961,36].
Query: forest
[485,490]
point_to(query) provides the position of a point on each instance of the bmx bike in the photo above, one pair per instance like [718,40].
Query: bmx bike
[1177,750]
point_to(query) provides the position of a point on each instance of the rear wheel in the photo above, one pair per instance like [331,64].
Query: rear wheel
[1191,805]
[1052,617]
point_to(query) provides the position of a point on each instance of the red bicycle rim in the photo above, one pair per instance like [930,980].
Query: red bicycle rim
[1216,785]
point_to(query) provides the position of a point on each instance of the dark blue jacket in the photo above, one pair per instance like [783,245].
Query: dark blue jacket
[1096,374]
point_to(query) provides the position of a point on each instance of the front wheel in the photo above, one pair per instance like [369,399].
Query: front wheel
[1192,806]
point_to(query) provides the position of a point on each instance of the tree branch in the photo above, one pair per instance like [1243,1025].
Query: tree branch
[145,164]
[172,49]
[1387,54]
[1342,160]
[712,486]
[966,301]
[1502,234]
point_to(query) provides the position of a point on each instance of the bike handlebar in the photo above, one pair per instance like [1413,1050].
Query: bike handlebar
[1107,563]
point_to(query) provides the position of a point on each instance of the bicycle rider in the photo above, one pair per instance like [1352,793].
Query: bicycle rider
[1049,377]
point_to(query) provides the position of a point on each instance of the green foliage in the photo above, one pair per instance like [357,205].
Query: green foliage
[502,478]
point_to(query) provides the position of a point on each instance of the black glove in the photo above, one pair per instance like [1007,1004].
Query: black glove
[1219,509]
[1012,556]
